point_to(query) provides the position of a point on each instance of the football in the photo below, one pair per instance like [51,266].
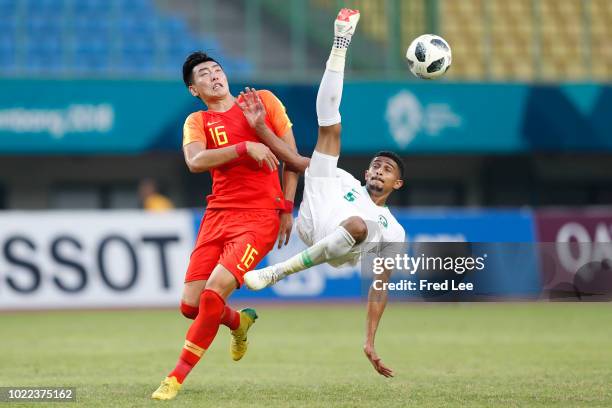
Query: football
[429,56]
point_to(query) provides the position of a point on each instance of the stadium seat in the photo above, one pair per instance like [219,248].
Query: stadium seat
[44,65]
[93,8]
[173,54]
[600,14]
[91,54]
[136,7]
[137,54]
[8,26]
[91,35]
[138,27]
[45,48]
[237,67]
[45,8]
[173,27]
[83,26]
[7,53]
[91,44]
[137,64]
[8,8]
[43,26]
[141,45]
[44,55]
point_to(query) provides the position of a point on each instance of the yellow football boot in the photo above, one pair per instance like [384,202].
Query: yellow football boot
[239,343]
[167,389]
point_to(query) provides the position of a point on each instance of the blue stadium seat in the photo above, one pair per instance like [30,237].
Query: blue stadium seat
[7,54]
[91,54]
[187,46]
[138,45]
[93,8]
[137,7]
[89,27]
[174,54]
[91,63]
[138,55]
[238,67]
[138,27]
[8,26]
[138,64]
[8,40]
[40,26]
[174,27]
[8,66]
[53,43]
[87,43]
[44,55]
[92,35]
[8,8]
[43,65]
[46,8]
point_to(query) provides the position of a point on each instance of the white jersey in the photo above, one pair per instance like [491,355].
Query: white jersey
[330,200]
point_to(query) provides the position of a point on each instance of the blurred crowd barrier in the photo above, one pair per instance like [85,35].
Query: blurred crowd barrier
[134,117]
[115,259]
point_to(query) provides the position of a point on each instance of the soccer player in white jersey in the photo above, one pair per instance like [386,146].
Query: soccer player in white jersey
[338,217]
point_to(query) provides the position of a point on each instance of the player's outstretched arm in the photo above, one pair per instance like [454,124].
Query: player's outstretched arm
[199,159]
[377,301]
[255,113]
[289,184]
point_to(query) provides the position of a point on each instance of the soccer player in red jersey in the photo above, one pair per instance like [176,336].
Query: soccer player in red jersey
[246,213]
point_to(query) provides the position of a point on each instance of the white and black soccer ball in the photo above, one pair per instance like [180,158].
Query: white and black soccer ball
[429,56]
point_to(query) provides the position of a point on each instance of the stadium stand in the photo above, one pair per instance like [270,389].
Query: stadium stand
[499,39]
[600,17]
[98,38]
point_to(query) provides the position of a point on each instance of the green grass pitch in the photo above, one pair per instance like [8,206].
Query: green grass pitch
[542,354]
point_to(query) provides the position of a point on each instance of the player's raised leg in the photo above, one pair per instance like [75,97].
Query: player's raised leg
[323,163]
[337,244]
[329,95]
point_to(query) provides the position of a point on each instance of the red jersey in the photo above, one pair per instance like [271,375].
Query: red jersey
[240,183]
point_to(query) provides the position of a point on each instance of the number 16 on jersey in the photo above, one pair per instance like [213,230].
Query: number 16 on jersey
[218,135]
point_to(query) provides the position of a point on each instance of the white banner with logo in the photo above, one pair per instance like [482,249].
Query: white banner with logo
[89,259]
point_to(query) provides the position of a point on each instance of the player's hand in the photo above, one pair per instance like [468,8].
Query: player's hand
[262,155]
[286,225]
[252,107]
[377,363]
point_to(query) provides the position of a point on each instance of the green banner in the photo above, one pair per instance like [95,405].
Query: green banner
[90,116]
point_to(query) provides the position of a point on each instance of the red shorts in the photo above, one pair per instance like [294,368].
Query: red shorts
[236,239]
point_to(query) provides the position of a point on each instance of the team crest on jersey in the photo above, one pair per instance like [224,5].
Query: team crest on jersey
[383,221]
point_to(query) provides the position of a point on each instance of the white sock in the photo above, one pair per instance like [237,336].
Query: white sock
[333,246]
[329,97]
[337,56]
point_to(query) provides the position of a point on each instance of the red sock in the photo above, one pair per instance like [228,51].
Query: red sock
[200,334]
[186,362]
[230,318]
[190,312]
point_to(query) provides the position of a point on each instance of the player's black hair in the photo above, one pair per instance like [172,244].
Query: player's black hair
[393,156]
[193,59]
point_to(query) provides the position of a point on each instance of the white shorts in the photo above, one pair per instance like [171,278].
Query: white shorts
[321,212]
